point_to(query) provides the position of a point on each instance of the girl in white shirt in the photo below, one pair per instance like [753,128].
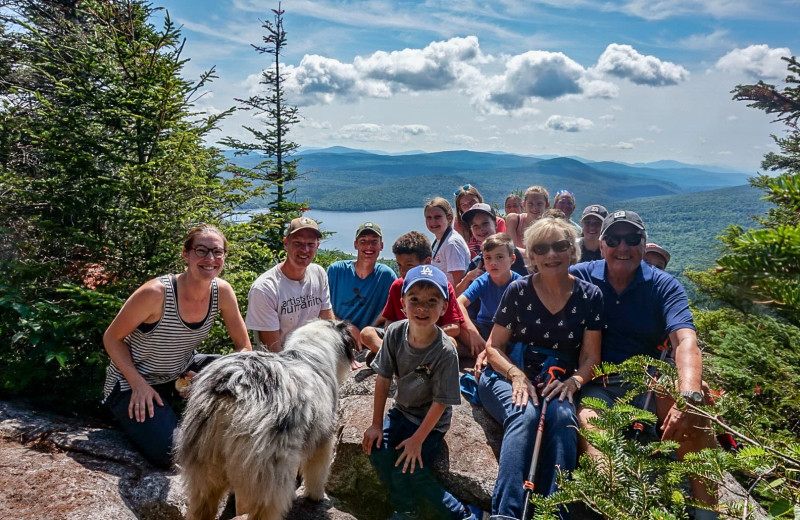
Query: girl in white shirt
[450,251]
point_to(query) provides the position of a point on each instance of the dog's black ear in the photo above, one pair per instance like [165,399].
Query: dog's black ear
[343,327]
[342,324]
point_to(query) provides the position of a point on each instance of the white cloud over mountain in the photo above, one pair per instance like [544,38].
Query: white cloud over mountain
[568,123]
[756,61]
[458,64]
[439,66]
[371,132]
[623,61]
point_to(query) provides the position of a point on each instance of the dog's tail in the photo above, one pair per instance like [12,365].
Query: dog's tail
[244,394]
[210,411]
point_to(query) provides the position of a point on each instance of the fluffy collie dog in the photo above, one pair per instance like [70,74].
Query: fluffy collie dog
[256,419]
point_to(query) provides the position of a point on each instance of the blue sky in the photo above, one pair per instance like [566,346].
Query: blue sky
[626,80]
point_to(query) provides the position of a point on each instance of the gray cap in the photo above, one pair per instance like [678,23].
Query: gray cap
[478,207]
[595,210]
[618,216]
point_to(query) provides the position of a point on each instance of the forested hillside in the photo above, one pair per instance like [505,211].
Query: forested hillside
[362,181]
[687,225]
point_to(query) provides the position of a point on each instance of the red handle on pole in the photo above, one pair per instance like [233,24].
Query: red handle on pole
[554,368]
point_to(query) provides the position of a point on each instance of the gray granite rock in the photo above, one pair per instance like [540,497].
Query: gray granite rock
[63,469]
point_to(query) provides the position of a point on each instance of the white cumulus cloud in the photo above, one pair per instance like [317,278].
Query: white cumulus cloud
[438,66]
[757,61]
[568,123]
[371,132]
[320,80]
[623,61]
[534,76]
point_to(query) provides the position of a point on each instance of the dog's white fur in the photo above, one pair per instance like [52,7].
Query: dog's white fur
[254,419]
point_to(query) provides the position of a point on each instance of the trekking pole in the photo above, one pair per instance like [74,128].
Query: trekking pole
[638,427]
[529,484]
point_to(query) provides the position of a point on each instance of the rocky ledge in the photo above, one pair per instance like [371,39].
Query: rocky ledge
[59,468]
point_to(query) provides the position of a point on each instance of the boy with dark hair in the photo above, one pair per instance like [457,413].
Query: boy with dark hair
[488,288]
[410,250]
[403,445]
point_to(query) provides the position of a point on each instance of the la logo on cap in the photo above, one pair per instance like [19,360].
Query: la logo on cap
[427,271]
[619,214]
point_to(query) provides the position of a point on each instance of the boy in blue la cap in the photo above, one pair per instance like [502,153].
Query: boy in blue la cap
[403,445]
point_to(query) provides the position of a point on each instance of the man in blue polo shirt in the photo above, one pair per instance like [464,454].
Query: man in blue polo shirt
[643,306]
[359,287]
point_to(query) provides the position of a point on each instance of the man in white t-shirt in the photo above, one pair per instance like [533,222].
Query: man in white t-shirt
[293,292]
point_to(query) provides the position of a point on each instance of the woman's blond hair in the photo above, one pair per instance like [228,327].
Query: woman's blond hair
[539,230]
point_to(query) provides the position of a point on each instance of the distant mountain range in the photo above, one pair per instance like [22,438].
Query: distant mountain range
[345,179]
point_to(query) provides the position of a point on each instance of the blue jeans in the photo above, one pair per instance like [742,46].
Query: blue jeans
[153,437]
[559,446]
[418,491]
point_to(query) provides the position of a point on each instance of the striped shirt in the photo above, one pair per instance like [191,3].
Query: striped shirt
[162,353]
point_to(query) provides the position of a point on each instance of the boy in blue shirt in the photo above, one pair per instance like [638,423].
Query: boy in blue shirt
[488,288]
[403,445]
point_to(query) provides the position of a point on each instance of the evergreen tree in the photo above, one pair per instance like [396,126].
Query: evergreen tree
[761,267]
[103,168]
[103,159]
[277,167]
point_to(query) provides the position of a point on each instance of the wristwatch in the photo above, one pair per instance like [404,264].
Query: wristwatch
[692,396]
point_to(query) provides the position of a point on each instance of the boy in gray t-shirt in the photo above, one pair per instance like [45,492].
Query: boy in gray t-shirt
[403,445]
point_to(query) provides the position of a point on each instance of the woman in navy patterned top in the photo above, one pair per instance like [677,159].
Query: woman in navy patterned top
[543,318]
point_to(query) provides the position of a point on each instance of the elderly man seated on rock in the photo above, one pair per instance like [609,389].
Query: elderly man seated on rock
[643,306]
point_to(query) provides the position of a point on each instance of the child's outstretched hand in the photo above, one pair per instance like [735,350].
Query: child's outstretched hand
[372,437]
[412,454]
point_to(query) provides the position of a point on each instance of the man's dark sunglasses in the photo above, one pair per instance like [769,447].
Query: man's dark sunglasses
[559,247]
[632,239]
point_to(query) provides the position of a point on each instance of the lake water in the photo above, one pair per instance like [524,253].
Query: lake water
[393,223]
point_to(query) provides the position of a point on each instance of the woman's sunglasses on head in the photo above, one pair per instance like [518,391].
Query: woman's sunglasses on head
[463,188]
